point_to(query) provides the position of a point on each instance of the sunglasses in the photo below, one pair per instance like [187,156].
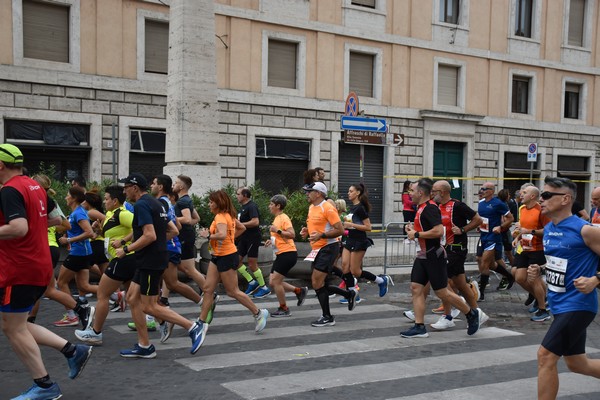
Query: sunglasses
[549,195]
[484,189]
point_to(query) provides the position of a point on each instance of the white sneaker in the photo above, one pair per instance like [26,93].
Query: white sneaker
[410,315]
[483,317]
[443,323]
[455,312]
[89,336]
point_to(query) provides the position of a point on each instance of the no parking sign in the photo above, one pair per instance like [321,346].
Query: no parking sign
[532,151]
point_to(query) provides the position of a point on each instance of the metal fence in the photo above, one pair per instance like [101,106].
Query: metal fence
[401,252]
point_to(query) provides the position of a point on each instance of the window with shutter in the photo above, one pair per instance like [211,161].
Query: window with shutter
[282,64]
[447,85]
[520,95]
[45,31]
[576,22]
[156,47]
[572,91]
[449,10]
[361,73]
[364,3]
[524,18]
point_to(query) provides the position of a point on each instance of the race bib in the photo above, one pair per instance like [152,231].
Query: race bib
[273,245]
[556,269]
[312,255]
[527,241]
[485,225]
[106,244]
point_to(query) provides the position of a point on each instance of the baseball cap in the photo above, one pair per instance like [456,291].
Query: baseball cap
[135,179]
[10,154]
[318,186]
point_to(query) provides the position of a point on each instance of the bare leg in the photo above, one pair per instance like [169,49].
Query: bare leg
[134,299]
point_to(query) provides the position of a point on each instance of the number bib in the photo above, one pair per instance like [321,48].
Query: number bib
[556,269]
[485,225]
[527,241]
[312,255]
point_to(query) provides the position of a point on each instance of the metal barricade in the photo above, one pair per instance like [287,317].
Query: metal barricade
[400,252]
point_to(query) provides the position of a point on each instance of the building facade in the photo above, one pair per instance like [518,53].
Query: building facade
[468,83]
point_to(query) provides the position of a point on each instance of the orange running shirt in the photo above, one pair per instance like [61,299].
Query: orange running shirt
[532,219]
[282,245]
[321,218]
[225,246]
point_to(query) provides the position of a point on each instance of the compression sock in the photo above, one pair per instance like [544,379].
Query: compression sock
[323,296]
[68,350]
[337,272]
[348,280]
[484,280]
[44,382]
[259,277]
[370,276]
[502,271]
[244,271]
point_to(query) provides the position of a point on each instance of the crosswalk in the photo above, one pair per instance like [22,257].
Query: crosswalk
[362,355]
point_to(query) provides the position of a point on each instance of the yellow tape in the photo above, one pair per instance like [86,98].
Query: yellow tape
[476,178]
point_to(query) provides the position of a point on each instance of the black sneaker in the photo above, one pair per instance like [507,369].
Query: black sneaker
[324,321]
[352,300]
[530,299]
[481,297]
[86,317]
[503,285]
[302,295]
[474,321]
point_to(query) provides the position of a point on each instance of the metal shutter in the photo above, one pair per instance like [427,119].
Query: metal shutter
[282,64]
[576,20]
[447,81]
[364,3]
[361,74]
[45,31]
[157,47]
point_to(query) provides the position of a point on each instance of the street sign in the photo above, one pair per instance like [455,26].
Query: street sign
[532,151]
[395,139]
[351,123]
[351,105]
[373,138]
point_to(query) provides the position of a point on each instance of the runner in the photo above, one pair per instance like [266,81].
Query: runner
[323,228]
[248,243]
[25,271]
[151,230]
[286,256]
[571,247]
[222,267]
[430,263]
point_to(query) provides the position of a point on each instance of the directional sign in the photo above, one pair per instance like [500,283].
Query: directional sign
[363,124]
[373,138]
[395,139]
[532,151]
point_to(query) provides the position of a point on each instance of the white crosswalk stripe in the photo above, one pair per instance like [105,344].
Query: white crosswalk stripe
[231,345]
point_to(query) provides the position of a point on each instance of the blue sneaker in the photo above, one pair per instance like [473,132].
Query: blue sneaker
[262,292]
[534,307]
[139,352]
[357,299]
[383,286]
[541,316]
[415,332]
[252,286]
[198,334]
[78,360]
[37,393]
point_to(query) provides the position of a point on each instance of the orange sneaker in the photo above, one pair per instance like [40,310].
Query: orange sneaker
[439,310]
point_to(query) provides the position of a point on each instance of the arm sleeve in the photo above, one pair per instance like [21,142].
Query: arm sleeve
[12,203]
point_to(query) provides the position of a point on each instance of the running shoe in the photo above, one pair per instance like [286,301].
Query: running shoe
[260,320]
[87,317]
[302,295]
[150,324]
[541,316]
[324,321]
[443,323]
[410,314]
[342,285]
[139,352]
[79,359]
[262,292]
[280,312]
[67,321]
[211,312]
[475,289]
[415,331]
[164,301]
[474,321]
[357,299]
[534,307]
[166,328]
[352,300]
[383,286]
[252,286]
[530,299]
[439,310]
[89,336]
[37,392]
[503,285]
[198,334]
[454,312]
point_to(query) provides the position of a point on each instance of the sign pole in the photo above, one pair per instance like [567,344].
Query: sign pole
[362,160]
[530,172]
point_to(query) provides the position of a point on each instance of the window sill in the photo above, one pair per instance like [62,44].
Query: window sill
[572,121]
[451,26]
[526,117]
[525,39]
[576,48]
[364,9]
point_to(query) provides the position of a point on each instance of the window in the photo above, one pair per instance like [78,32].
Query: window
[517,170]
[449,11]
[572,93]
[61,147]
[46,31]
[576,22]
[524,17]
[282,64]
[279,163]
[364,3]
[575,168]
[147,152]
[447,85]
[156,46]
[520,94]
[361,73]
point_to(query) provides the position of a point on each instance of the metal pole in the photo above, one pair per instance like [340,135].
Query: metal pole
[530,172]
[362,165]
[114,153]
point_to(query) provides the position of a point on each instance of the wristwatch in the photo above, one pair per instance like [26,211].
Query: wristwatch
[125,249]
[533,232]
[279,231]
[123,242]
[417,235]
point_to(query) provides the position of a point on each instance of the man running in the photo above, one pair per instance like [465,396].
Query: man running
[571,247]
[25,271]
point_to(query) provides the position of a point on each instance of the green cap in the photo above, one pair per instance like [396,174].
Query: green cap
[10,154]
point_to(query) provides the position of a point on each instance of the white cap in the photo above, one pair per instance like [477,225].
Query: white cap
[318,186]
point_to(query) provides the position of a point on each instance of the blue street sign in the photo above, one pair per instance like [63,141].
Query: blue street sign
[363,124]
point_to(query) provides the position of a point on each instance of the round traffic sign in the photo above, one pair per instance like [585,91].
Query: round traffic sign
[533,148]
[351,105]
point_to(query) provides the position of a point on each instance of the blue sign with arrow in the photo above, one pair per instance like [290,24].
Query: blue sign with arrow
[363,124]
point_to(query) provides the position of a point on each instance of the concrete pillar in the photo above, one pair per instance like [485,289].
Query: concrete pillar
[192,146]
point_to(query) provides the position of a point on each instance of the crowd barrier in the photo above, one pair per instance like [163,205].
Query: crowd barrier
[400,252]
